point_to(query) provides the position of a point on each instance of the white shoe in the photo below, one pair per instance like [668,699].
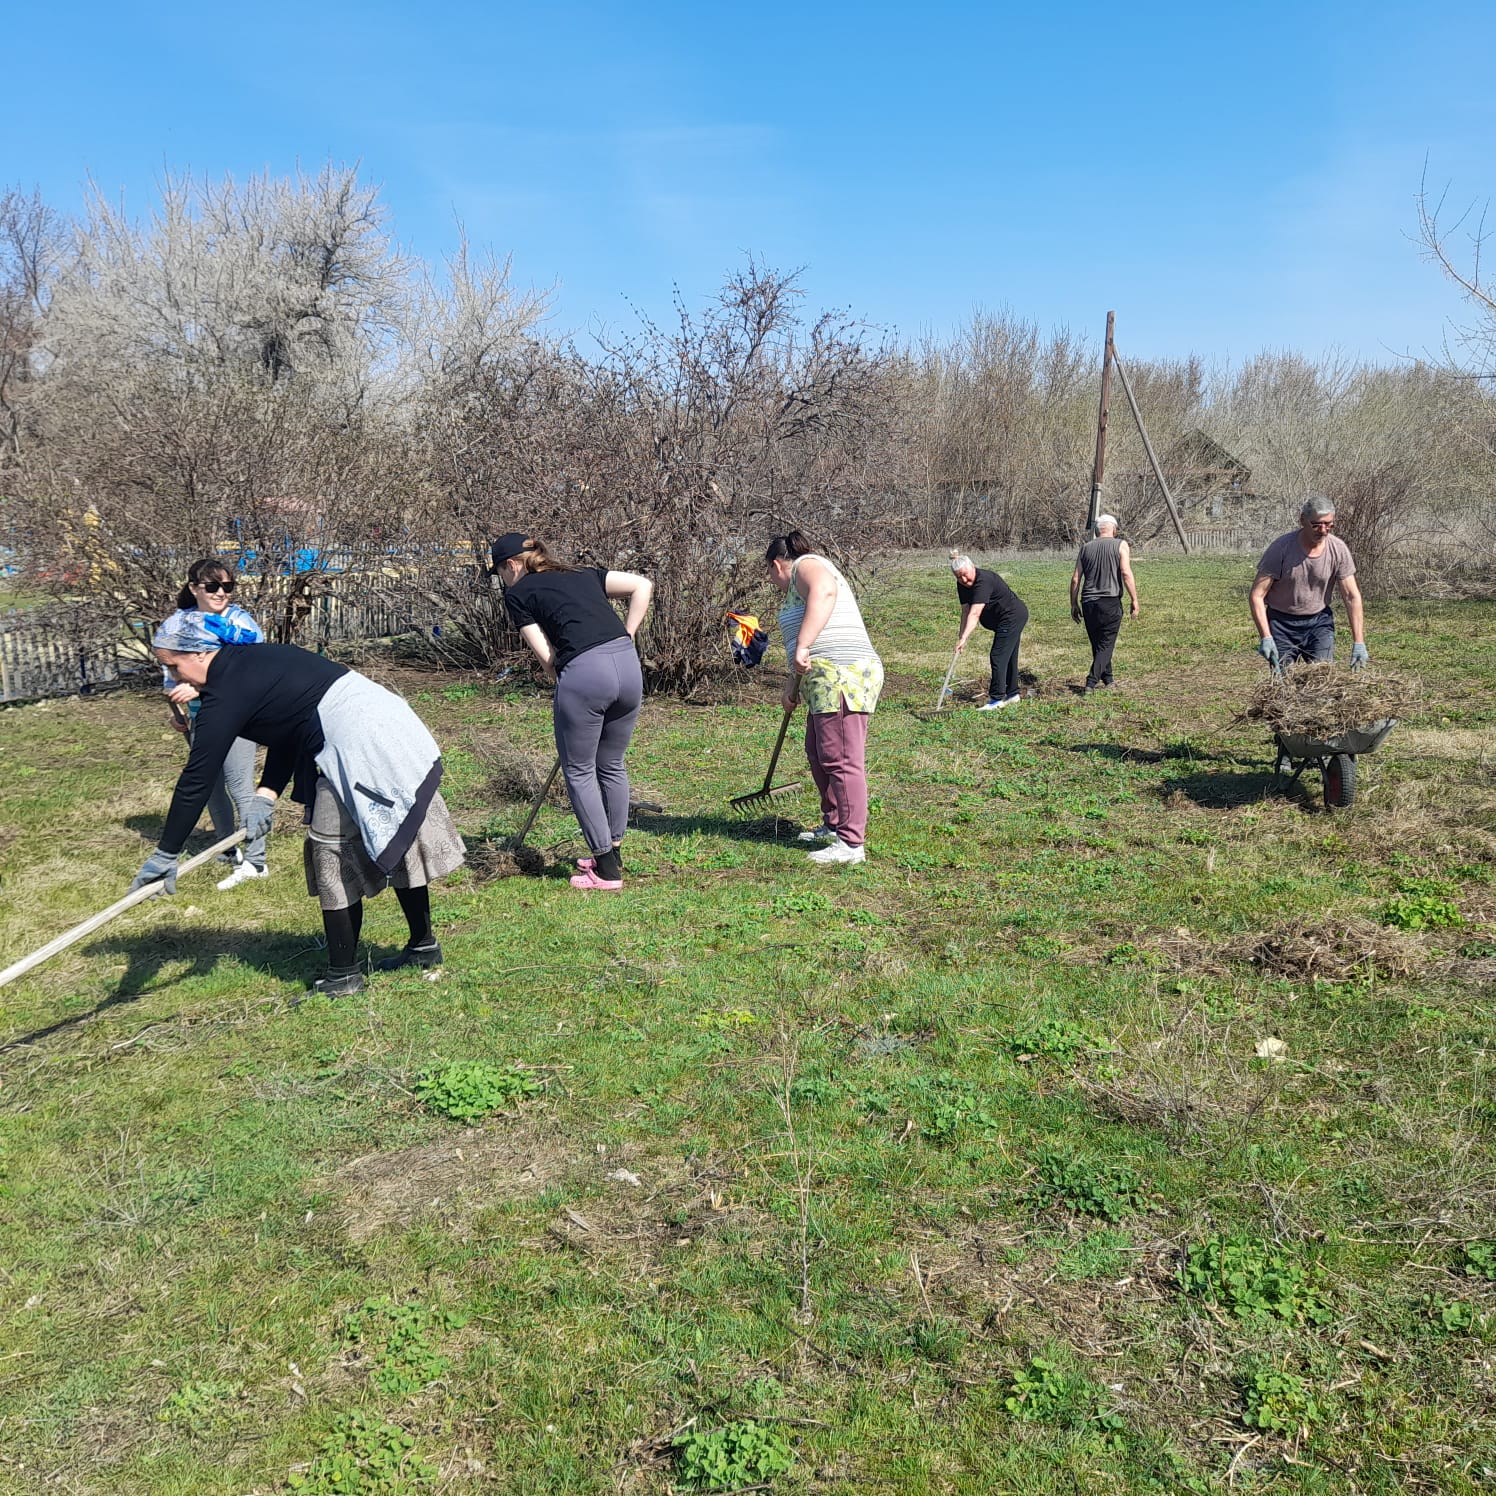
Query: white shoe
[822,833]
[991,706]
[242,874]
[839,851]
[1012,700]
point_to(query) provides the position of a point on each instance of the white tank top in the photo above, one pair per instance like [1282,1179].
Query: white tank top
[844,639]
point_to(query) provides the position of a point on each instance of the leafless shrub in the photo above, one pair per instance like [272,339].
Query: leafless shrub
[674,452]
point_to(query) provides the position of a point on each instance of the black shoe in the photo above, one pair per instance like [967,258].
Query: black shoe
[413,955]
[339,983]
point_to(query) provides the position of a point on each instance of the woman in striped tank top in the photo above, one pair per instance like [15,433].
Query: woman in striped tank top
[839,676]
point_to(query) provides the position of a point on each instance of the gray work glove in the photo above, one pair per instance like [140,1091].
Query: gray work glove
[1268,649]
[1359,657]
[257,821]
[159,865]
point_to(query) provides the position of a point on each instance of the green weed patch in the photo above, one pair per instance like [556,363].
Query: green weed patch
[470,1091]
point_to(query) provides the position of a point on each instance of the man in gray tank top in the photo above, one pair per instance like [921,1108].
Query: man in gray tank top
[1102,569]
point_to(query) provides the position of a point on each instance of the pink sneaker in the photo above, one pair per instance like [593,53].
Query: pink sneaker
[589,879]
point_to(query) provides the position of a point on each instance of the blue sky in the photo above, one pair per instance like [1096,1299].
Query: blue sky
[1228,177]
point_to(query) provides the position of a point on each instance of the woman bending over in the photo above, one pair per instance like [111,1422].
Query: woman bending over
[566,615]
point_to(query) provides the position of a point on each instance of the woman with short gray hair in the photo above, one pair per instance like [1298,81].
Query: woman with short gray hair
[988,602]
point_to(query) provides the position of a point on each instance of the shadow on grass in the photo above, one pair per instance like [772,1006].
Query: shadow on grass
[1221,791]
[1122,754]
[763,824]
[197,949]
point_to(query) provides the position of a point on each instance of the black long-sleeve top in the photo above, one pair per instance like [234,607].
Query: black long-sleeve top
[268,693]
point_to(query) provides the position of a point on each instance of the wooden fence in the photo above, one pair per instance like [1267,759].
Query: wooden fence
[60,648]
[54,652]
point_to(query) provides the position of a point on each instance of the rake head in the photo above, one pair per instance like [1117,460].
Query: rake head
[746,804]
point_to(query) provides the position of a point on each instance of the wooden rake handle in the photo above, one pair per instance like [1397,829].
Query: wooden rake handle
[130,900]
[545,789]
[784,727]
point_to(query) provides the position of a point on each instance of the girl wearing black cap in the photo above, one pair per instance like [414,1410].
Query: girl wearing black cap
[565,615]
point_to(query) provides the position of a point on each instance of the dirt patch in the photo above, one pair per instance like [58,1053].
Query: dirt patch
[1334,949]
[451,1179]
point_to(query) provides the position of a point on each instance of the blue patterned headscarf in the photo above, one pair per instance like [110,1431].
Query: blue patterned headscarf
[189,631]
[186,633]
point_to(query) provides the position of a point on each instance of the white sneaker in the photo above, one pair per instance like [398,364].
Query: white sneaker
[991,706]
[839,851]
[242,874]
[1012,700]
[822,833]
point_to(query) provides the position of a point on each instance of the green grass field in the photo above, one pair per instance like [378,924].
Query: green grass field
[969,1170]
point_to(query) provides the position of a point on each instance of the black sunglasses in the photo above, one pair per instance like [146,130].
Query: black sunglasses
[216,586]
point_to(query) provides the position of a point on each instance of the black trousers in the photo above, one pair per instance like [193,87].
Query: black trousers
[1103,618]
[1004,657]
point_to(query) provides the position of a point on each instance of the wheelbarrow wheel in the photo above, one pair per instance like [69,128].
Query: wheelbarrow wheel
[1340,780]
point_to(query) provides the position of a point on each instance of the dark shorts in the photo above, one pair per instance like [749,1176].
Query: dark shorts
[1306,636]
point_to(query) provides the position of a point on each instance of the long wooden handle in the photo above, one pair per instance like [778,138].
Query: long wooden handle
[784,727]
[130,900]
[545,789]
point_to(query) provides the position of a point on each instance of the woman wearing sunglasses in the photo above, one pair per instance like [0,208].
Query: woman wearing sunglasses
[210,592]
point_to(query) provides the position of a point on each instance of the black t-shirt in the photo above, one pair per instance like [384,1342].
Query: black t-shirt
[989,592]
[571,607]
[268,693]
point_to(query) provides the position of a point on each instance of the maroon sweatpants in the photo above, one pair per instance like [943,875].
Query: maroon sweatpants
[836,745]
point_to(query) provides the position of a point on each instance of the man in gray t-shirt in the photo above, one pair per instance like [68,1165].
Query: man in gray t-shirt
[1102,569]
[1290,600]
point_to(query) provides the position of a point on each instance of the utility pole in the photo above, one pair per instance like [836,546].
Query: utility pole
[1098,470]
[1113,360]
[1158,471]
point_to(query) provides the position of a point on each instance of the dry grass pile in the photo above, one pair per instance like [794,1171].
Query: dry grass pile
[1334,949]
[1323,700]
[491,860]
[514,777]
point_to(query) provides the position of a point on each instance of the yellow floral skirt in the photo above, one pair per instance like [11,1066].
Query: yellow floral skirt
[828,684]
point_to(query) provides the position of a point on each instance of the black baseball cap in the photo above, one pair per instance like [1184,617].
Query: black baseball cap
[506,547]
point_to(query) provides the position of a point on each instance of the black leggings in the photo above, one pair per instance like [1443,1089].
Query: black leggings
[1004,656]
[342,926]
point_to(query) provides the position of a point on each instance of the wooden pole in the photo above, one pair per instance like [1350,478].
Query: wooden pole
[130,900]
[1158,471]
[1098,468]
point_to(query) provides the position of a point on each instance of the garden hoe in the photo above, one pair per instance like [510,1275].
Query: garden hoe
[130,900]
[744,804]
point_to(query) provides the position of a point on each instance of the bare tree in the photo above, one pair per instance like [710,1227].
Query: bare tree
[674,451]
[29,241]
[1439,228]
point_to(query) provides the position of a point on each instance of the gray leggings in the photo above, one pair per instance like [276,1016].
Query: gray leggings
[235,789]
[597,704]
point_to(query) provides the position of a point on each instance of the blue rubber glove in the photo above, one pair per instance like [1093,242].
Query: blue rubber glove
[160,866]
[257,821]
[1359,657]
[1268,649]
[229,633]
